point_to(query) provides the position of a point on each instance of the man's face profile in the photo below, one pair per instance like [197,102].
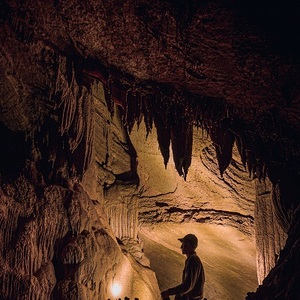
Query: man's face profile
[186,247]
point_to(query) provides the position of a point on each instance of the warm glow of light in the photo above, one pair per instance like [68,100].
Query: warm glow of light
[116,289]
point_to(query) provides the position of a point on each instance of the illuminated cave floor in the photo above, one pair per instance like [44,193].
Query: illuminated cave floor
[227,254]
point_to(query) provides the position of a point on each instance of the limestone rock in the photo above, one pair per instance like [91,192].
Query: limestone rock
[205,196]
[229,67]
[270,236]
[63,250]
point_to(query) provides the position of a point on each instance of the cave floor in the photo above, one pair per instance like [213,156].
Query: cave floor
[227,254]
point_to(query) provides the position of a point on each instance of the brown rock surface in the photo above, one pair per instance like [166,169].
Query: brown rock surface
[59,245]
[230,67]
[204,197]
[228,257]
[270,237]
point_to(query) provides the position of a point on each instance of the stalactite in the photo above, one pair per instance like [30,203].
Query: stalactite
[147,111]
[90,125]
[130,110]
[141,102]
[241,149]
[82,152]
[77,122]
[79,125]
[68,95]
[223,140]
[163,130]
[182,140]
[201,111]
[109,93]
[251,162]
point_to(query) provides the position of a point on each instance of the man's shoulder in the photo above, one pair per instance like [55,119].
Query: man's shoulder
[194,258]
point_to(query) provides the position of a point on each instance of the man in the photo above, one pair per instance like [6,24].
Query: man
[193,277]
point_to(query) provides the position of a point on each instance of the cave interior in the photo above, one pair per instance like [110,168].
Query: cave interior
[86,87]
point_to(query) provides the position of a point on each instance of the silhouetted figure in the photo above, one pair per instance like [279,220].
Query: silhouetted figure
[193,277]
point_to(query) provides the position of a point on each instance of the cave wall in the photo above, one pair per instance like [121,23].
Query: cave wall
[257,207]
[270,236]
[232,67]
[113,181]
[280,203]
[205,195]
[54,243]
[59,241]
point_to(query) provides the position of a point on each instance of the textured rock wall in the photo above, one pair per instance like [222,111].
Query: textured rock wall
[52,240]
[270,236]
[56,244]
[283,281]
[115,169]
[57,241]
[279,240]
[204,197]
[31,224]
[113,181]
[251,65]
[121,207]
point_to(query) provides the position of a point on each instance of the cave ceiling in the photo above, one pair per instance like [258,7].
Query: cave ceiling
[231,67]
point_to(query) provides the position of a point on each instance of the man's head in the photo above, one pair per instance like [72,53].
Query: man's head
[189,243]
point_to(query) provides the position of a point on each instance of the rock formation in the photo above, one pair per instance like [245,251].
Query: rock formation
[204,197]
[69,180]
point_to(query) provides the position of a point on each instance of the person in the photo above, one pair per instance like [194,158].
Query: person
[193,276]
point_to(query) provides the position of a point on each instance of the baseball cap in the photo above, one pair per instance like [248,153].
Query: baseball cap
[191,238]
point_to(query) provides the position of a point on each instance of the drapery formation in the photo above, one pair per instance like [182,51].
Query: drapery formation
[76,120]
[229,67]
[174,115]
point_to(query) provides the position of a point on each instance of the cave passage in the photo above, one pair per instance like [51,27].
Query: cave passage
[228,257]
[219,210]
[80,187]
